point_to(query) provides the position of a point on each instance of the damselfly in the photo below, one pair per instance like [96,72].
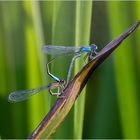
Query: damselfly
[77,51]
[63,50]
[21,95]
[51,75]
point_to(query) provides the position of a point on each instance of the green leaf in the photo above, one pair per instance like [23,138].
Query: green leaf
[127,92]
[82,36]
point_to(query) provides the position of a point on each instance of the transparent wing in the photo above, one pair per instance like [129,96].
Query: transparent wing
[58,50]
[21,95]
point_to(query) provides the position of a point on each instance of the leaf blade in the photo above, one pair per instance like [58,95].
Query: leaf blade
[63,105]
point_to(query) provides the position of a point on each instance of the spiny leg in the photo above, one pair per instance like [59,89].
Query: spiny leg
[54,93]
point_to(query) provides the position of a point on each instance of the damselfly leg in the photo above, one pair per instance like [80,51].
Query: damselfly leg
[69,50]
[62,81]
[59,86]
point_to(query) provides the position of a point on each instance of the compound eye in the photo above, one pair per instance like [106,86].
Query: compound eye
[94,47]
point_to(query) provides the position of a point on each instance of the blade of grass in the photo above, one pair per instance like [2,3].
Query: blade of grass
[82,36]
[10,28]
[63,105]
[3,80]
[37,105]
[127,96]
[38,26]
[103,121]
[136,7]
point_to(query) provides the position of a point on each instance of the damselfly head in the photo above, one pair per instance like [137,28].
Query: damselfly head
[93,47]
[11,97]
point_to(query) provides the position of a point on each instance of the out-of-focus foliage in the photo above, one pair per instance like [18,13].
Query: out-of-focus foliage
[109,106]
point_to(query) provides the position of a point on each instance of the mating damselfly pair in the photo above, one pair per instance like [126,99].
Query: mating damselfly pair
[59,84]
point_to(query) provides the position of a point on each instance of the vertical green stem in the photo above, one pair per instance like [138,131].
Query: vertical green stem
[125,71]
[34,41]
[82,37]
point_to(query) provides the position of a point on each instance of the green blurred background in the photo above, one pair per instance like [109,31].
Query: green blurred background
[109,106]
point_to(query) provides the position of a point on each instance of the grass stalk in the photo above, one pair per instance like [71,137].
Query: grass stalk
[124,65]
